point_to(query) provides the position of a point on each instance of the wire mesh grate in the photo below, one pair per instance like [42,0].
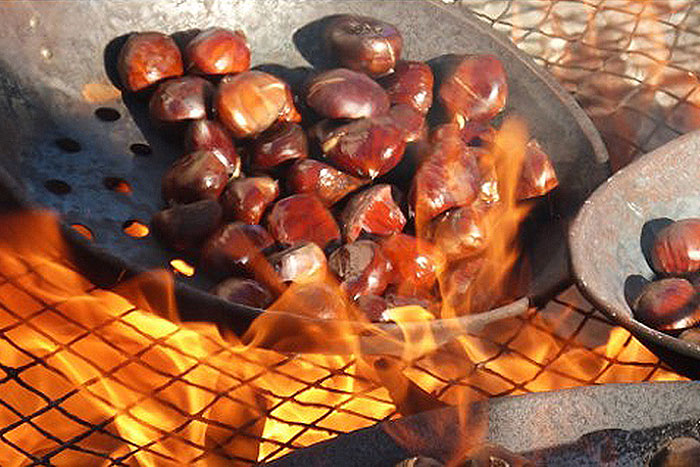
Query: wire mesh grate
[88,378]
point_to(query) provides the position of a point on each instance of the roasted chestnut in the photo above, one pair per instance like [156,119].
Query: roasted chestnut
[676,249]
[245,199]
[186,98]
[368,147]
[537,175]
[416,263]
[364,44]
[305,262]
[302,218]
[250,102]
[146,58]
[668,304]
[361,267]
[235,249]
[479,134]
[183,226]
[373,211]
[313,299]
[218,51]
[194,176]
[211,135]
[329,184]
[411,84]
[409,120]
[475,89]
[283,141]
[244,291]
[461,232]
[343,93]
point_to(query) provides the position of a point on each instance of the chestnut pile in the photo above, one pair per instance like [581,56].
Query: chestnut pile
[267,199]
[672,302]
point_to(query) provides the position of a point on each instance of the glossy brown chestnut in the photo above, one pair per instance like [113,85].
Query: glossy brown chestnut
[290,113]
[676,249]
[373,307]
[302,218]
[411,84]
[245,199]
[691,335]
[305,262]
[244,291]
[211,135]
[479,134]
[194,176]
[361,267]
[668,304]
[537,176]
[218,51]
[313,299]
[373,211]
[185,98]
[367,148]
[461,232]
[364,44]
[236,248]
[249,103]
[456,286]
[146,58]
[343,93]
[282,142]
[416,263]
[409,120]
[476,89]
[448,177]
[329,184]
[184,226]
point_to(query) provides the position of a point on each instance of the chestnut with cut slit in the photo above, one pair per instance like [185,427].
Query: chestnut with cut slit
[146,58]
[305,262]
[194,176]
[676,249]
[211,135]
[186,98]
[302,218]
[343,93]
[282,142]
[362,268]
[245,199]
[668,304]
[410,84]
[537,175]
[461,232]
[373,211]
[329,184]
[416,263]
[364,44]
[218,51]
[184,226]
[235,249]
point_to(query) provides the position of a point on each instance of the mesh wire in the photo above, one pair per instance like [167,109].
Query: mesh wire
[88,378]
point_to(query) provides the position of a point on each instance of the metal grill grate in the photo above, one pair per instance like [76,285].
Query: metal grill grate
[185,395]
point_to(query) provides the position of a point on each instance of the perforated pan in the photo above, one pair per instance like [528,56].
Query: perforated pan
[62,149]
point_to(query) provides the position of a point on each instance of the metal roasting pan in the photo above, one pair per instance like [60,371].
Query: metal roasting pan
[57,68]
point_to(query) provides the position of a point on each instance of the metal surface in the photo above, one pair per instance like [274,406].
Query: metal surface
[612,425]
[607,241]
[53,77]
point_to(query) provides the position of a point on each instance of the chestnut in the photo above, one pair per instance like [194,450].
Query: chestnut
[289,113]
[250,102]
[373,307]
[236,248]
[691,335]
[218,51]
[367,148]
[245,199]
[475,89]
[676,248]
[668,304]
[313,299]
[211,135]
[461,232]
[373,211]
[537,175]
[410,84]
[195,176]
[416,263]
[479,134]
[361,267]
[283,141]
[409,120]
[185,98]
[305,262]
[329,184]
[457,287]
[364,44]
[244,292]
[183,226]
[146,58]
[447,177]
[343,93]
[302,218]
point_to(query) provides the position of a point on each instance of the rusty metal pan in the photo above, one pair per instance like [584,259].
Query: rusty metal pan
[54,76]
[611,233]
